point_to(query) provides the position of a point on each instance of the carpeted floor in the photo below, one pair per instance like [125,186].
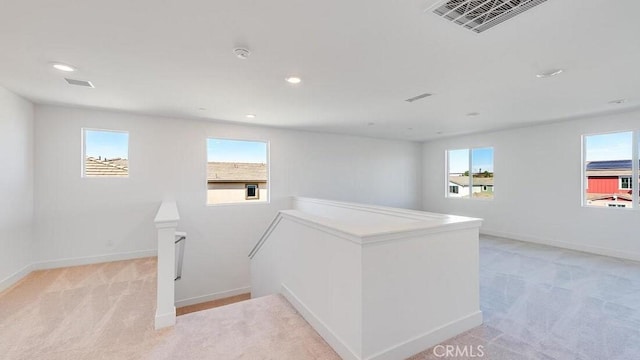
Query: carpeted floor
[541,302]
[106,311]
[538,302]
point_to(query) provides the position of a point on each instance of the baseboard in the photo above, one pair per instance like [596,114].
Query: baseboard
[331,338]
[52,264]
[211,297]
[166,319]
[429,339]
[565,245]
[12,279]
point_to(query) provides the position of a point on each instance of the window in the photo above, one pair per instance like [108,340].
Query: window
[608,169]
[105,153]
[470,173]
[237,171]
[253,192]
[625,182]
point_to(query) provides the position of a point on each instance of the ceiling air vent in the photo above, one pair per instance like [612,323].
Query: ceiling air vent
[480,15]
[421,96]
[79,82]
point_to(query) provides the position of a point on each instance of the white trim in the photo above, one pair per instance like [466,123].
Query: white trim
[584,180]
[635,142]
[318,325]
[401,350]
[426,223]
[343,231]
[14,278]
[630,177]
[165,320]
[211,297]
[635,156]
[448,194]
[565,245]
[83,154]
[427,340]
[206,173]
[66,262]
[376,209]
[167,215]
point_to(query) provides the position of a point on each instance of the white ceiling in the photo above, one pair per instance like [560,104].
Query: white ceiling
[358,60]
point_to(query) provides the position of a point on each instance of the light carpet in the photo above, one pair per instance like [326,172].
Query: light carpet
[106,311]
[538,302]
[542,302]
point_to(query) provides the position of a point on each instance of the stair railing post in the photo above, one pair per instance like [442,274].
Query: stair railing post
[166,223]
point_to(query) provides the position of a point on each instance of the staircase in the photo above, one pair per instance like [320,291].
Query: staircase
[375,282]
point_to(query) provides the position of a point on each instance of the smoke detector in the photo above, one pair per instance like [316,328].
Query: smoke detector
[550,73]
[242,53]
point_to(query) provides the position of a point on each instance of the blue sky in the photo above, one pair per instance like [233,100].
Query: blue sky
[223,150]
[613,146]
[482,159]
[109,144]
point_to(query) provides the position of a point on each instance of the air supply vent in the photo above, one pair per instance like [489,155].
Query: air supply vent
[480,15]
[421,96]
[79,82]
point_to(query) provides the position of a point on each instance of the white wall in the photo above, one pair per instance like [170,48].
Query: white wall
[375,282]
[16,186]
[538,187]
[80,218]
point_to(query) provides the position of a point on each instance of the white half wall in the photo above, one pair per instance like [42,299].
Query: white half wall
[538,187]
[79,218]
[16,187]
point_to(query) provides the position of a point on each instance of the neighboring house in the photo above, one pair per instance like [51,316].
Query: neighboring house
[609,183]
[106,168]
[236,182]
[459,185]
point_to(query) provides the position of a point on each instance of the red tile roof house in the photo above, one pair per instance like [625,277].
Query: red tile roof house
[609,183]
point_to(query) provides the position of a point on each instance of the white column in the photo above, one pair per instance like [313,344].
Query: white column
[166,223]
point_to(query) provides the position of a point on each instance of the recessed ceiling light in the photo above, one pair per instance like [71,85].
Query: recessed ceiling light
[549,73]
[473,114]
[618,101]
[251,116]
[242,53]
[293,80]
[63,67]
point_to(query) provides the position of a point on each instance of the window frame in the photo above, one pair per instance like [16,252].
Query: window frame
[621,183]
[635,154]
[239,203]
[83,151]
[256,191]
[470,168]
